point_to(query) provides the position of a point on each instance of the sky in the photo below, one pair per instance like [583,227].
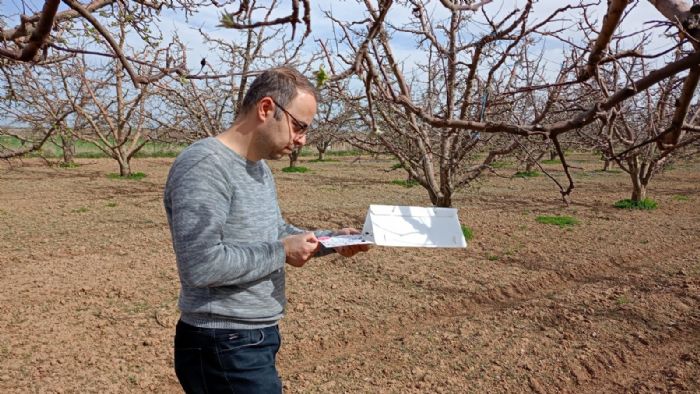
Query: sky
[208,18]
[403,45]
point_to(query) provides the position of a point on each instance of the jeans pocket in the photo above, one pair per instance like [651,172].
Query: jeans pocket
[238,339]
[246,349]
[189,369]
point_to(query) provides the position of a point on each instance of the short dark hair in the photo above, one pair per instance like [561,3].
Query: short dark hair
[281,83]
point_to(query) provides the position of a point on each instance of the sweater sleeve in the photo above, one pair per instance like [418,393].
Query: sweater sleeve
[286,229]
[198,198]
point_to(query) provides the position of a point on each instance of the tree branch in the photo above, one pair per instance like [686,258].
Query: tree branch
[105,33]
[610,21]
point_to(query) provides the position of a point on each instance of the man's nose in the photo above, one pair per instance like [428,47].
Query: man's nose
[300,139]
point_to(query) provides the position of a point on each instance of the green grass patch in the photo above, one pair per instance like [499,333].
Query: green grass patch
[492,257]
[561,221]
[165,153]
[341,153]
[405,183]
[111,204]
[91,155]
[526,174]
[134,176]
[295,169]
[69,165]
[81,210]
[554,161]
[680,197]
[396,166]
[323,161]
[622,300]
[468,233]
[87,150]
[645,204]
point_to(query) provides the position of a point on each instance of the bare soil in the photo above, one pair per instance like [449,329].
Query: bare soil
[612,304]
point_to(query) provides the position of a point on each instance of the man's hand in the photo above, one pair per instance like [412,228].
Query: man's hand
[349,251]
[299,248]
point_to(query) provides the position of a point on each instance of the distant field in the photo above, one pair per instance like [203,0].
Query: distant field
[87,150]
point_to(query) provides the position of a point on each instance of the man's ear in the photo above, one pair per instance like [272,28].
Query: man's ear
[265,108]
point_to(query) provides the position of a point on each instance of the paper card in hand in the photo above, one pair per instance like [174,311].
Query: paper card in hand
[395,225]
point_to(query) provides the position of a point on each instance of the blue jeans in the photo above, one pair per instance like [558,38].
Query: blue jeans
[209,360]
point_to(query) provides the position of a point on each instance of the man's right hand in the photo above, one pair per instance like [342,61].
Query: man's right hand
[299,248]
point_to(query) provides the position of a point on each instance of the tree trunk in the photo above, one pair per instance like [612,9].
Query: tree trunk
[124,167]
[321,152]
[529,166]
[444,202]
[553,154]
[294,157]
[68,147]
[639,191]
[606,164]
[440,200]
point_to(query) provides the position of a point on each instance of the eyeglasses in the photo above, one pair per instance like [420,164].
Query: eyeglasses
[302,127]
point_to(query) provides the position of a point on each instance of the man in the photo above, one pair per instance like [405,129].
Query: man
[231,243]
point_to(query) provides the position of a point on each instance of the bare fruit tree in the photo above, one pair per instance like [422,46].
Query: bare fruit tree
[204,103]
[461,78]
[40,36]
[36,112]
[115,112]
[626,128]
[464,59]
[334,122]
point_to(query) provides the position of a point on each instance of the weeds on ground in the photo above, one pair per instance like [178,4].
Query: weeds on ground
[340,153]
[134,176]
[111,204]
[553,161]
[646,204]
[680,197]
[295,169]
[405,183]
[137,307]
[81,210]
[164,153]
[90,155]
[622,300]
[323,160]
[468,233]
[561,221]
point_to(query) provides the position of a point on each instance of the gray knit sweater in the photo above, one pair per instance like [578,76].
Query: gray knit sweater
[226,228]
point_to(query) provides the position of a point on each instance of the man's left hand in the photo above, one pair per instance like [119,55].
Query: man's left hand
[349,251]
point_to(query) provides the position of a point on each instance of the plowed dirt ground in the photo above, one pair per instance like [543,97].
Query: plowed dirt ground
[89,285]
